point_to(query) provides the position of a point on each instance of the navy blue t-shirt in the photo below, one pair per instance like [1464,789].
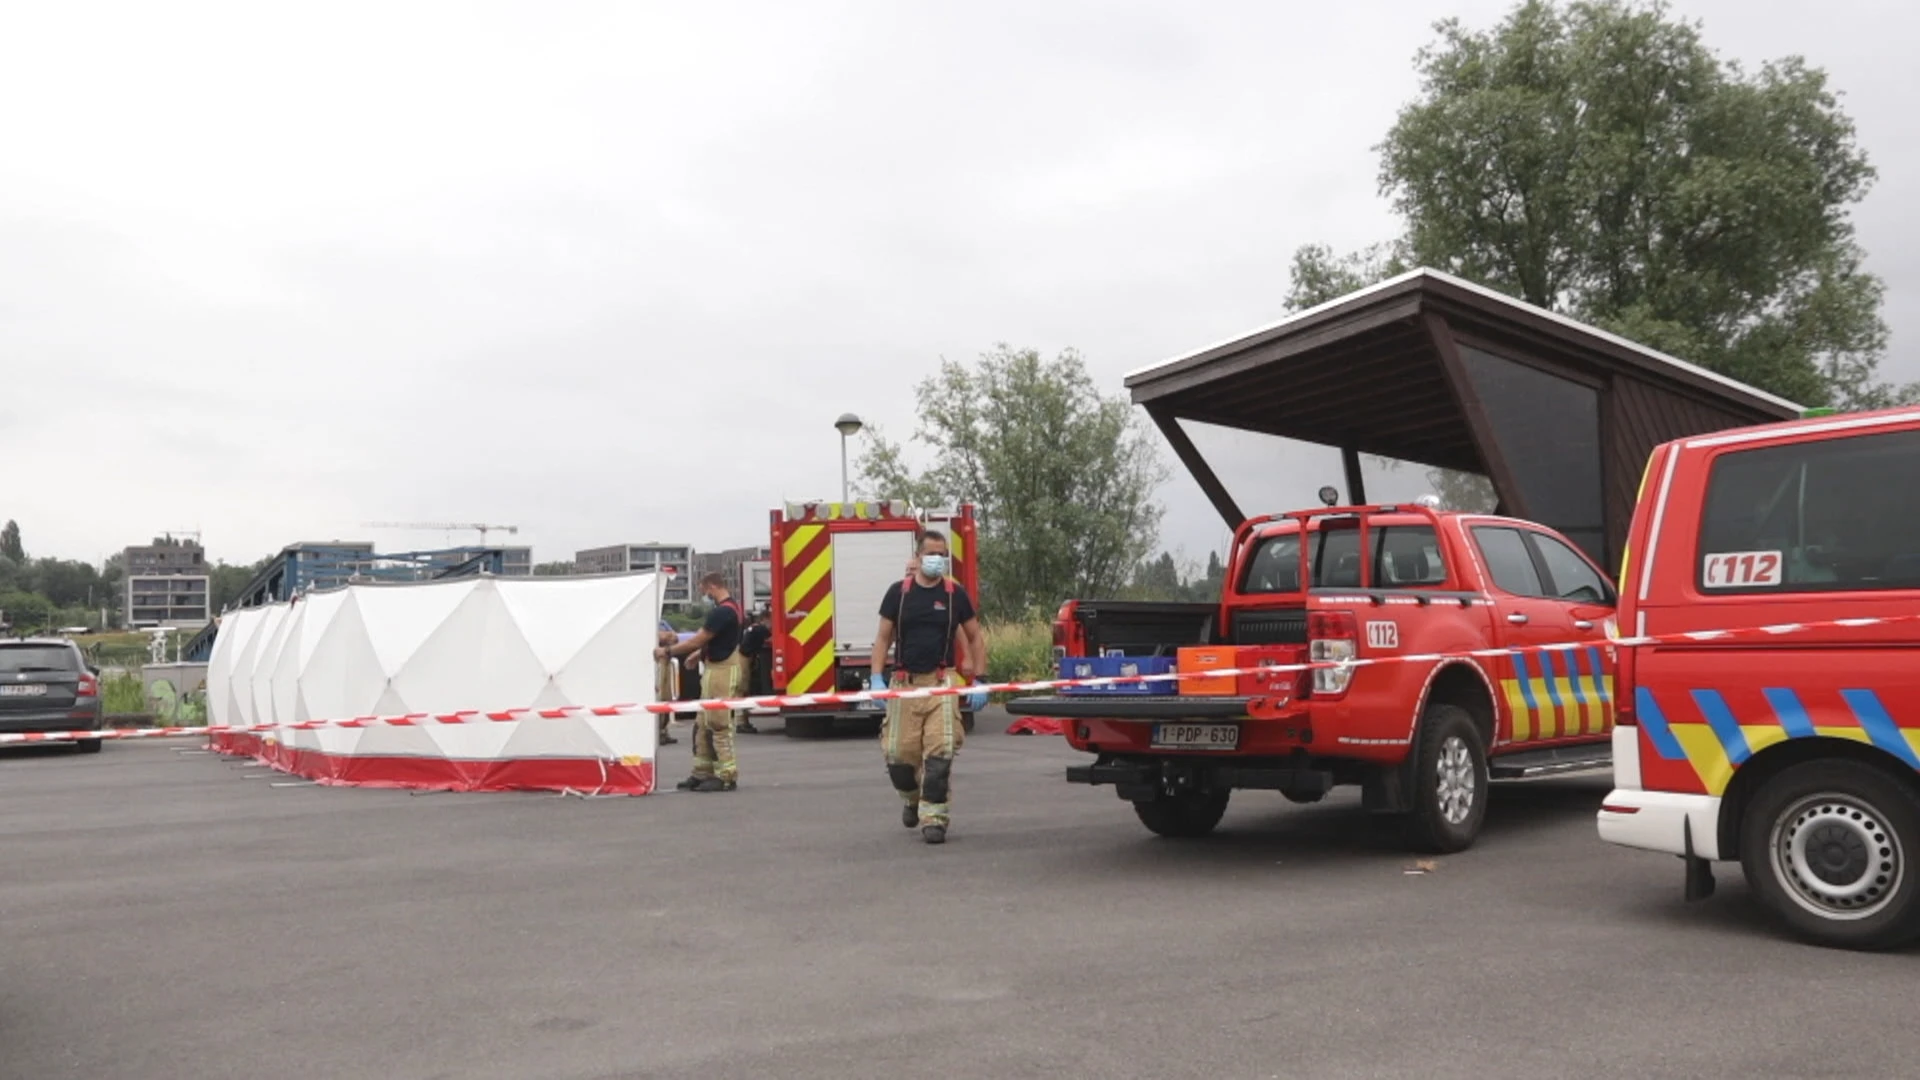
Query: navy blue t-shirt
[925,626]
[723,623]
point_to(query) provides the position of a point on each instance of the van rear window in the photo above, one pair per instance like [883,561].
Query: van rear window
[1404,557]
[1834,515]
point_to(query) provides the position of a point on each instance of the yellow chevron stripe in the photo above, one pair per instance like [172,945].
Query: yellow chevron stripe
[816,667]
[1576,712]
[797,542]
[955,544]
[803,582]
[819,617]
[1709,758]
[1595,717]
[1517,705]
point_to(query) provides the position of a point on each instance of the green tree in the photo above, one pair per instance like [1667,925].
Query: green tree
[10,547]
[26,612]
[1062,477]
[1158,579]
[67,583]
[1597,158]
[552,569]
[226,581]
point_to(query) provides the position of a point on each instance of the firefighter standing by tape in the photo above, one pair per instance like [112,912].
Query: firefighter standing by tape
[718,643]
[933,619]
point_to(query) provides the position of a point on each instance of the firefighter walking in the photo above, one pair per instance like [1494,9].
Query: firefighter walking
[718,642]
[940,645]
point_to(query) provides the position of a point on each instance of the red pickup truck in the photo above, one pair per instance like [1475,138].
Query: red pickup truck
[1422,735]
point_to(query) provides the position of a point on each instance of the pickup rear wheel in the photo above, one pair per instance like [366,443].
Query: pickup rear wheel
[1190,813]
[1449,781]
[1829,846]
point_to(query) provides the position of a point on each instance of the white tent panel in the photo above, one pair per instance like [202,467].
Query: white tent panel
[236,630]
[603,669]
[341,678]
[399,618]
[249,660]
[282,679]
[260,681]
[561,617]
[321,609]
[475,658]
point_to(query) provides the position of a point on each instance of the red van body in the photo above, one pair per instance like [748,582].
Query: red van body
[1793,748]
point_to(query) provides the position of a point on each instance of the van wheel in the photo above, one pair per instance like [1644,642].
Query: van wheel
[1190,813]
[89,746]
[1829,846]
[1449,782]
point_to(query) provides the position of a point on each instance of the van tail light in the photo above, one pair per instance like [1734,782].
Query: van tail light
[1059,658]
[88,685]
[1624,714]
[1333,637]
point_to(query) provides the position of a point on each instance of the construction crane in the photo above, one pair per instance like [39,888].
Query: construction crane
[442,526]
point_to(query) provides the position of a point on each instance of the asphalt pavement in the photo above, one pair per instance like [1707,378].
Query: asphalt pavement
[169,914]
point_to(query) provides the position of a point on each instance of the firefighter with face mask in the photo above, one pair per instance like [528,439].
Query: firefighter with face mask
[940,645]
[718,642]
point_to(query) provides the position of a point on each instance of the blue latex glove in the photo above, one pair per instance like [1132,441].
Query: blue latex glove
[876,681]
[976,701]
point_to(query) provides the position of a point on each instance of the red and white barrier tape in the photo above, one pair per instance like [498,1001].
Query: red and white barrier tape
[476,716]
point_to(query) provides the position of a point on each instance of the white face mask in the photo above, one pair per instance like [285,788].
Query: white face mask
[934,565]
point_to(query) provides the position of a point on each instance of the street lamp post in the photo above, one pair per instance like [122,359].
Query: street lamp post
[849,425]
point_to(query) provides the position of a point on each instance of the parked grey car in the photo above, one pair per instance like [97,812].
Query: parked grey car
[46,685]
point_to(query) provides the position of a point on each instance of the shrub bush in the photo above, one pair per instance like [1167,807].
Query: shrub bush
[1019,652]
[123,693]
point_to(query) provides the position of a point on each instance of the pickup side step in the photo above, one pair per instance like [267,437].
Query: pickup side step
[1554,761]
[1130,707]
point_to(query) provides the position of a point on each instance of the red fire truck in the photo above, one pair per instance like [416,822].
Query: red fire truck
[832,564]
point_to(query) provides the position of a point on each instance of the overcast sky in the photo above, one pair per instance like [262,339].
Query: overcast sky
[609,271]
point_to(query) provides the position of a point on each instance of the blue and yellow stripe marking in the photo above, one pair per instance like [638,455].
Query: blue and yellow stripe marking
[1561,698]
[1654,723]
[1789,713]
[1719,745]
[1879,725]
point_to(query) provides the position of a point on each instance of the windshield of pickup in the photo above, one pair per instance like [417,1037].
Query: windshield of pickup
[1403,557]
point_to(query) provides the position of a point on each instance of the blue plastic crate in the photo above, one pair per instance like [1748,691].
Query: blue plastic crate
[1106,667]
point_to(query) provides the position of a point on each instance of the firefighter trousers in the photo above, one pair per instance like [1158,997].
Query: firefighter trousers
[920,738]
[713,728]
[666,688]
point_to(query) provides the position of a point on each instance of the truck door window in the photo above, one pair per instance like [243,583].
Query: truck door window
[1568,575]
[1509,561]
[1407,557]
[1830,515]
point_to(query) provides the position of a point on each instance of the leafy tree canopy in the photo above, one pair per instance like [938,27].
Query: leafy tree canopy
[1063,478]
[1597,158]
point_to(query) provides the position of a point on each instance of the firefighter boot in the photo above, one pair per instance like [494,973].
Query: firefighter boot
[908,786]
[936,781]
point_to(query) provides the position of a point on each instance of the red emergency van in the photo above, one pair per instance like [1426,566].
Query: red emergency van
[1787,743]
